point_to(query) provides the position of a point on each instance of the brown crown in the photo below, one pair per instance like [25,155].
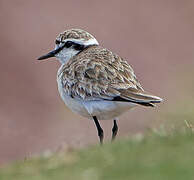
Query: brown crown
[74,34]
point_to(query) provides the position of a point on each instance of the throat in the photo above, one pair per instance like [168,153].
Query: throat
[65,56]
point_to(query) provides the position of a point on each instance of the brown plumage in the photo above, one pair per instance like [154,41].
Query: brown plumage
[96,73]
[74,34]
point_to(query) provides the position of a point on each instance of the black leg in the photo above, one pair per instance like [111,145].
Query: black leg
[100,130]
[114,130]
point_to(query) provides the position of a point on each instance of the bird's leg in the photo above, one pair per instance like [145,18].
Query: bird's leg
[114,130]
[100,130]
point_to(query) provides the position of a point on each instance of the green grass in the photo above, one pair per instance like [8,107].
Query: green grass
[157,156]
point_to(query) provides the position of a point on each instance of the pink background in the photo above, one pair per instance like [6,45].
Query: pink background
[156,37]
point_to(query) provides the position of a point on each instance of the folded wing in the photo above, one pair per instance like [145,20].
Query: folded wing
[97,74]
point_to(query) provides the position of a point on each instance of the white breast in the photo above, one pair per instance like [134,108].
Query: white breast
[75,105]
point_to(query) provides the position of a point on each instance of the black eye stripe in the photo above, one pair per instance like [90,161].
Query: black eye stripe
[79,47]
[74,45]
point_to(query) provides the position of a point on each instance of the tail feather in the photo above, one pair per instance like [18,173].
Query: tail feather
[138,97]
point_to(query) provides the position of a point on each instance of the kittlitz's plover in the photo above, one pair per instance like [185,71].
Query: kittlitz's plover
[93,81]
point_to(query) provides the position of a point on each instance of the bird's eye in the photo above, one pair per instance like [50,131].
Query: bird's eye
[68,44]
[57,42]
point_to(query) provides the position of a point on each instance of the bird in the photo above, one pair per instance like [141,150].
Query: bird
[95,82]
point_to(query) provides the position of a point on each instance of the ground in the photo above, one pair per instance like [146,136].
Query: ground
[160,155]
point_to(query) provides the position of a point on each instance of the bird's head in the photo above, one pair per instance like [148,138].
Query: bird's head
[69,43]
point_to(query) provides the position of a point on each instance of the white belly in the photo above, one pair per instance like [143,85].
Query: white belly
[101,109]
[88,108]
[107,109]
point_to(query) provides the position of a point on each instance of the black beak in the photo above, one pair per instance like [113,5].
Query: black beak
[50,54]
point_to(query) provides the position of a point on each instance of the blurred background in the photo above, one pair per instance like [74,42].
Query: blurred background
[156,38]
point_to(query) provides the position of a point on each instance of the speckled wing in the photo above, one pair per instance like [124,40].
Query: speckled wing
[96,73]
